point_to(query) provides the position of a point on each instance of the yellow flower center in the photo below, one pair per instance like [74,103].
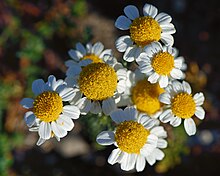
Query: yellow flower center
[93,57]
[48,106]
[145,96]
[98,81]
[163,63]
[145,30]
[131,136]
[183,105]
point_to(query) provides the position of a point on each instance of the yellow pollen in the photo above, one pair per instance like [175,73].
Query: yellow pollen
[98,81]
[163,63]
[93,57]
[183,105]
[48,106]
[145,96]
[145,30]
[131,136]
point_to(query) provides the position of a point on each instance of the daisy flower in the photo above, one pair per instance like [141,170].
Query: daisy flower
[180,104]
[142,94]
[143,30]
[47,113]
[135,138]
[160,64]
[94,52]
[98,85]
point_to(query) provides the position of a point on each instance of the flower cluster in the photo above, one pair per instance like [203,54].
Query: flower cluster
[138,101]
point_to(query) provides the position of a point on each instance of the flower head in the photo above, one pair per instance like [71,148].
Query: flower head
[93,52]
[160,64]
[142,94]
[180,104]
[47,113]
[136,137]
[143,30]
[99,85]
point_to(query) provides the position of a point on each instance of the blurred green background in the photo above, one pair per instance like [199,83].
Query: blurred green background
[35,37]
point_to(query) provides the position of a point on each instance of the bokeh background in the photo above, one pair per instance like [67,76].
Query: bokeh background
[35,36]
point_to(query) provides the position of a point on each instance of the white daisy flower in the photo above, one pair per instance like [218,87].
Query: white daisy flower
[182,105]
[94,52]
[143,30]
[142,94]
[47,113]
[160,64]
[135,138]
[99,85]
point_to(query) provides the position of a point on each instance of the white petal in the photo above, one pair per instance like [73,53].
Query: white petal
[75,55]
[168,28]
[122,23]
[175,121]
[147,149]
[200,113]
[89,47]
[52,82]
[141,162]
[27,103]
[153,78]
[97,48]
[38,86]
[153,48]
[73,70]
[121,86]
[67,94]
[166,116]
[159,132]
[118,116]
[165,98]
[147,122]
[40,141]
[152,140]
[145,68]
[176,73]
[190,126]
[29,118]
[149,10]
[177,86]
[58,130]
[167,39]
[71,111]
[186,87]
[114,156]
[81,48]
[178,63]
[199,98]
[163,18]
[108,106]
[159,155]
[122,74]
[105,52]
[129,162]
[161,143]
[151,159]
[123,42]
[106,138]
[163,81]
[84,105]
[131,12]
[130,113]
[65,122]
[132,53]
[44,130]
[95,107]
